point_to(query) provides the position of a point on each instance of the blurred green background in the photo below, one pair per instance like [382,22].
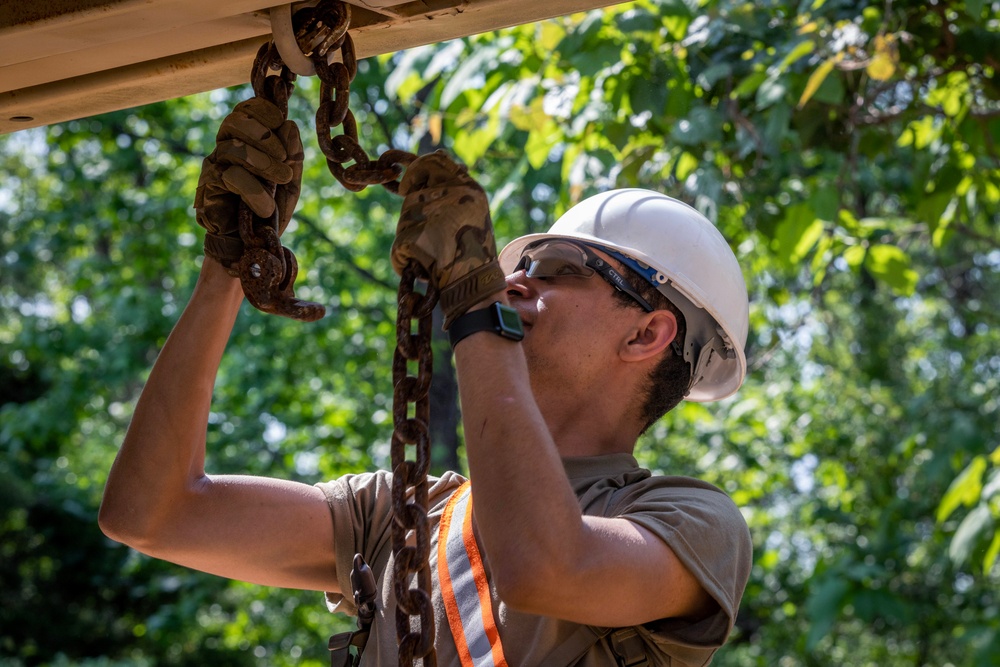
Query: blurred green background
[849,152]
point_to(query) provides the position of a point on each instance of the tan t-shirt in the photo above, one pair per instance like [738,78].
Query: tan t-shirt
[697,521]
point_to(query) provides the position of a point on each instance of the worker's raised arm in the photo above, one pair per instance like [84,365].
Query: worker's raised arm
[570,388]
[548,558]
[158,498]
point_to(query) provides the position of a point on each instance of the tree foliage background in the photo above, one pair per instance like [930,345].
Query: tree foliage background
[848,150]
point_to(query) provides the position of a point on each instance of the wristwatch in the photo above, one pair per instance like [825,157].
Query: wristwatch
[498,318]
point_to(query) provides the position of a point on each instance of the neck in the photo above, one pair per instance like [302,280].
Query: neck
[590,429]
[590,414]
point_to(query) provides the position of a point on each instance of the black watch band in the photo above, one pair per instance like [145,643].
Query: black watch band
[498,318]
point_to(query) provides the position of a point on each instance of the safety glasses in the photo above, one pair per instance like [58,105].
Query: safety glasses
[557,258]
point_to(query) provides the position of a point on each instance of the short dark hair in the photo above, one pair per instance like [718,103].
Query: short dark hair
[667,383]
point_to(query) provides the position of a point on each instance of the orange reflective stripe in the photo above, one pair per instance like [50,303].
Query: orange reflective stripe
[482,586]
[465,587]
[447,592]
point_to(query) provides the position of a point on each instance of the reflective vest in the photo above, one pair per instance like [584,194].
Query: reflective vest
[468,604]
[464,586]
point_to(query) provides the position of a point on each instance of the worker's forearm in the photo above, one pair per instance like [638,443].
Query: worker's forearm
[525,508]
[163,452]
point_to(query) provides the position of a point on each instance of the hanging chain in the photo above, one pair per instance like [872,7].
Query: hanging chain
[267,269]
[319,31]
[333,111]
[409,478]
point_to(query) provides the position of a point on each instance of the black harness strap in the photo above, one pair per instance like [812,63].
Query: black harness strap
[628,648]
[626,644]
[365,590]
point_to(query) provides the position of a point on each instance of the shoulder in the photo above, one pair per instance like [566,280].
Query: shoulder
[691,510]
[678,497]
[679,502]
[701,524]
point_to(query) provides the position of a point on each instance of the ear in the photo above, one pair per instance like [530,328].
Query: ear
[654,332]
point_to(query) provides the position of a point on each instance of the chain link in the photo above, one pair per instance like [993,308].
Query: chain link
[319,31]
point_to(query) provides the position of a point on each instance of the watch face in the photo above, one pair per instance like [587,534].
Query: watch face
[510,321]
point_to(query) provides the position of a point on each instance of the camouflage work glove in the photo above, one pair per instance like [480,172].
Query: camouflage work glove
[254,144]
[445,227]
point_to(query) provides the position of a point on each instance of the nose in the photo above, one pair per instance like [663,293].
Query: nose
[519,285]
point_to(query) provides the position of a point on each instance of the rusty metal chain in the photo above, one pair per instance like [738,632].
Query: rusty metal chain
[409,478]
[333,111]
[319,31]
[267,269]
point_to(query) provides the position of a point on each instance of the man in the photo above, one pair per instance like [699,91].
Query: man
[586,558]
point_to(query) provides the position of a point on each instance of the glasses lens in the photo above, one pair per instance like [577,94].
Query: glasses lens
[550,259]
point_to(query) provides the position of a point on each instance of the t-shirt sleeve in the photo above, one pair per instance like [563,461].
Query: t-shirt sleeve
[361,511]
[707,532]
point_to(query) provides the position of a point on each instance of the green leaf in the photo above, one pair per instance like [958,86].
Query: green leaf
[974,8]
[930,210]
[952,95]
[540,143]
[471,144]
[551,33]
[992,485]
[581,37]
[964,489]
[686,164]
[467,74]
[674,8]
[821,260]
[992,552]
[648,95]
[831,91]
[530,117]
[854,256]
[713,74]
[801,50]
[637,20]
[891,265]
[817,78]
[825,201]
[769,559]
[404,79]
[797,234]
[973,526]
[749,85]
[771,91]
[823,606]
[677,25]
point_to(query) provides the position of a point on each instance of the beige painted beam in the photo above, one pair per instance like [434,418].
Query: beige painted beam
[77,58]
[129,86]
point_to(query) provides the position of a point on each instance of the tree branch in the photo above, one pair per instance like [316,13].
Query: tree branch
[341,254]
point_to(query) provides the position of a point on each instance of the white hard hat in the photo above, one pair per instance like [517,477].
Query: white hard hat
[680,252]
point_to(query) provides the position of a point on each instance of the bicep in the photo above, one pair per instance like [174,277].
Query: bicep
[265,531]
[624,575]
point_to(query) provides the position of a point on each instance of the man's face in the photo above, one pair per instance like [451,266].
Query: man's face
[573,323]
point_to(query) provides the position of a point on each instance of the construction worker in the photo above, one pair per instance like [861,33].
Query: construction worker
[567,347]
